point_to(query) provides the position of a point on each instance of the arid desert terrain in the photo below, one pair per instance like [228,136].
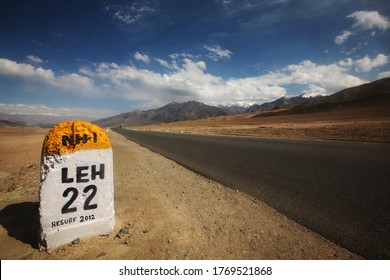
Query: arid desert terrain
[164,211]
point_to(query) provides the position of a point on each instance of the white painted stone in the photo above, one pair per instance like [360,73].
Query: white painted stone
[74,206]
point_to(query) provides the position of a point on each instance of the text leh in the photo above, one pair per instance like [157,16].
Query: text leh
[82,174]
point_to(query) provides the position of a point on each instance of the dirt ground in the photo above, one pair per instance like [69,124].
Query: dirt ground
[163,211]
[351,124]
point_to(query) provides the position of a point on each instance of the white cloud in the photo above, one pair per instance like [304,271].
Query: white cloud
[24,109]
[181,55]
[346,62]
[364,20]
[34,58]
[366,64]
[343,37]
[314,90]
[12,68]
[166,64]
[163,62]
[75,83]
[43,78]
[216,52]
[369,20]
[190,80]
[332,77]
[127,13]
[142,57]
[382,75]
[40,109]
[126,18]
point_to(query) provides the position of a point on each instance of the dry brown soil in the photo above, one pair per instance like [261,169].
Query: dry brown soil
[363,124]
[163,211]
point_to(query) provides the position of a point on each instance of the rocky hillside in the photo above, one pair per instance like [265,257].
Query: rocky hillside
[171,112]
[373,95]
[281,103]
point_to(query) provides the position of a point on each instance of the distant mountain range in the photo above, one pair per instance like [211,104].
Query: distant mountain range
[10,123]
[368,96]
[234,109]
[281,103]
[171,112]
[34,119]
[374,95]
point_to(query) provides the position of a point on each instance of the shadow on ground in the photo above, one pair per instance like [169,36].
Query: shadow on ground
[21,220]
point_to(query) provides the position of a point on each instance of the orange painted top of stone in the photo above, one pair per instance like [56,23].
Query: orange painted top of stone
[69,137]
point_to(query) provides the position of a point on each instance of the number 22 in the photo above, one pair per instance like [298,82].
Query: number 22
[87,206]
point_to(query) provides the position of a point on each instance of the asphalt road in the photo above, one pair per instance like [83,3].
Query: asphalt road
[340,190]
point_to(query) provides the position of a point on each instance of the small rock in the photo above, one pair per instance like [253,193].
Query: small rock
[169,240]
[102,254]
[124,230]
[76,241]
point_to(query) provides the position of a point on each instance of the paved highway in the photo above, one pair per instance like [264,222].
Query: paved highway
[340,190]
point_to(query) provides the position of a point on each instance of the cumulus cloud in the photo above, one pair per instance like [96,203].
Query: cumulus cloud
[75,83]
[25,109]
[364,20]
[347,62]
[190,80]
[12,68]
[40,109]
[369,20]
[142,57]
[382,75]
[343,37]
[71,83]
[34,58]
[366,64]
[216,52]
[163,62]
[314,90]
[332,77]
[173,65]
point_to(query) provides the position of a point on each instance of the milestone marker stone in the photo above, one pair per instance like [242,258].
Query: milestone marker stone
[77,189]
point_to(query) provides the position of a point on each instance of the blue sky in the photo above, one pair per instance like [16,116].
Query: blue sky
[101,58]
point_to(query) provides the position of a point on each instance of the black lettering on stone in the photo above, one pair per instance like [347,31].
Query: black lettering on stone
[74,140]
[80,175]
[99,173]
[68,139]
[84,138]
[64,176]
